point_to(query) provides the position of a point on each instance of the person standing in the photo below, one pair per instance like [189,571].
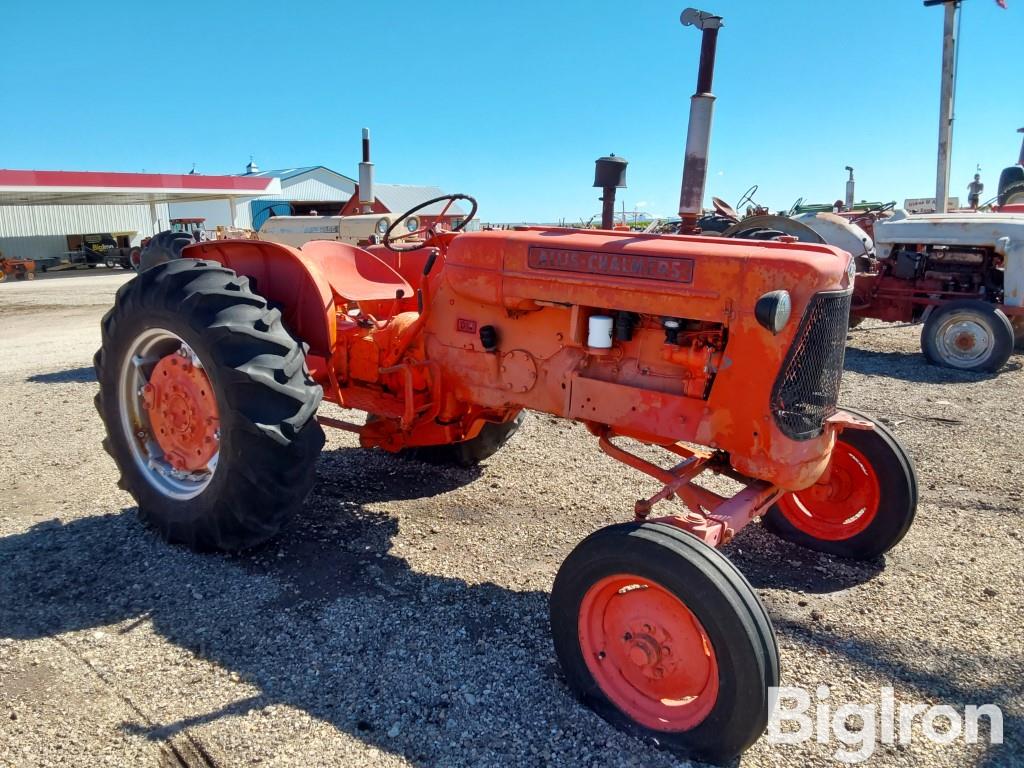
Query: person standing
[974,190]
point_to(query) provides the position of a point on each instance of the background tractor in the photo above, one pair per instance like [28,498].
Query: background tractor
[360,229]
[724,355]
[961,274]
[16,269]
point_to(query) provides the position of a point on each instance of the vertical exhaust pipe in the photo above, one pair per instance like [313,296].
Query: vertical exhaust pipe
[849,189]
[702,108]
[366,193]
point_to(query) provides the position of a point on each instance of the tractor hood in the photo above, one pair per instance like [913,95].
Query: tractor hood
[979,230]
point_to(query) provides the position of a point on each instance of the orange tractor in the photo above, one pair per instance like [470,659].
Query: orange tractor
[725,354]
[17,269]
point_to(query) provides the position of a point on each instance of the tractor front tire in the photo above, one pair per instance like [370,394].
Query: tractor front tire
[470,452]
[865,506]
[969,335]
[238,393]
[665,639]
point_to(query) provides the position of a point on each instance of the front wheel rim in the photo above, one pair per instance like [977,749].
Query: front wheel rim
[648,653]
[841,505]
[964,341]
[171,426]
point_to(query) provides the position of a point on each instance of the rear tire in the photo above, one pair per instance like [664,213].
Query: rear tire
[969,335]
[268,438]
[702,640]
[470,452]
[163,247]
[1013,194]
[866,508]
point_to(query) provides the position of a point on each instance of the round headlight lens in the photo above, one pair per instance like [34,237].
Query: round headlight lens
[773,310]
[412,223]
[382,227]
[851,270]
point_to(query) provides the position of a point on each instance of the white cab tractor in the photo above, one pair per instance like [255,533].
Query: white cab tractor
[361,229]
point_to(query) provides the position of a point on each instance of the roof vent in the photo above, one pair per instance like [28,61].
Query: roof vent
[251,168]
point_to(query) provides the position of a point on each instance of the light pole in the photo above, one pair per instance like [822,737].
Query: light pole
[947,97]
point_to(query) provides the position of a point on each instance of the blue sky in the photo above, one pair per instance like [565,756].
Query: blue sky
[513,101]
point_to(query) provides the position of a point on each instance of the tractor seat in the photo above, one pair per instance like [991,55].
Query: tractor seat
[354,274]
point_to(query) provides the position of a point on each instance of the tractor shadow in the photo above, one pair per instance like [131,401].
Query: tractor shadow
[914,367]
[769,562]
[83,375]
[326,620]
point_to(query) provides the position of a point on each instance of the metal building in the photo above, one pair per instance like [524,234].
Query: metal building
[46,231]
[46,214]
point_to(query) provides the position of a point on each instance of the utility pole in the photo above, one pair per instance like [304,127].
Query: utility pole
[947,97]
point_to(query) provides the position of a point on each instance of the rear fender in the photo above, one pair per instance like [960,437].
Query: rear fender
[285,277]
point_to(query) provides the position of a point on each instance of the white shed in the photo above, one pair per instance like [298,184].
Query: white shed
[303,191]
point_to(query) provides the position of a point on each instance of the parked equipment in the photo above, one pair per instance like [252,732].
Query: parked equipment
[1011,181]
[214,362]
[16,269]
[960,273]
[94,251]
[361,229]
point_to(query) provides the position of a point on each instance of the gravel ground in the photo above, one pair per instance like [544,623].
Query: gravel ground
[402,619]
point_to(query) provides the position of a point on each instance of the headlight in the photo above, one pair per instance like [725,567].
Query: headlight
[773,310]
[851,270]
[382,227]
[412,223]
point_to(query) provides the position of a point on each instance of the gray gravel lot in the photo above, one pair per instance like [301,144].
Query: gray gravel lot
[402,619]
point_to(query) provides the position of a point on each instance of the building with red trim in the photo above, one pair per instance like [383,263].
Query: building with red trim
[45,214]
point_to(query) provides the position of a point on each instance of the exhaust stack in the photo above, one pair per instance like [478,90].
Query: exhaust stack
[849,189]
[366,193]
[609,175]
[702,107]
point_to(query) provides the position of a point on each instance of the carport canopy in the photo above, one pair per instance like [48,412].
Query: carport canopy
[104,188]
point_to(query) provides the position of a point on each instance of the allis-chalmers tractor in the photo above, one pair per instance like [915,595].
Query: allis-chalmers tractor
[726,354]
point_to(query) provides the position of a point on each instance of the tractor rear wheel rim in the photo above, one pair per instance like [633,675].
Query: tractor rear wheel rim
[964,341]
[840,506]
[648,653]
[169,414]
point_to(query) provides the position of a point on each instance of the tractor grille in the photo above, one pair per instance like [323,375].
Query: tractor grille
[807,389]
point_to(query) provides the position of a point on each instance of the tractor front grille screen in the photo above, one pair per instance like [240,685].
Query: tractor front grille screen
[807,389]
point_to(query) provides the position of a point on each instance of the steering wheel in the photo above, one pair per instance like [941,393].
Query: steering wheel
[881,208]
[396,243]
[748,197]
